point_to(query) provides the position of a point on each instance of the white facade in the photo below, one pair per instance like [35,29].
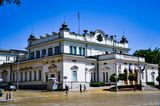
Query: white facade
[75,59]
[7,57]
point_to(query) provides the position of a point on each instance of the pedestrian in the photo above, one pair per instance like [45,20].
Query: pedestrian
[80,86]
[66,89]
[134,87]
[84,88]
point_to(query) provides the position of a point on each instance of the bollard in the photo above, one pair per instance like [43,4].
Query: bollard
[10,96]
[6,96]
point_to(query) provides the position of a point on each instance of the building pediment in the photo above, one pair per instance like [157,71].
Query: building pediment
[52,66]
[4,72]
[74,67]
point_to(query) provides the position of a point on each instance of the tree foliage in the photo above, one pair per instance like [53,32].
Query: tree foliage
[158,78]
[113,78]
[3,2]
[151,56]
[122,77]
[132,77]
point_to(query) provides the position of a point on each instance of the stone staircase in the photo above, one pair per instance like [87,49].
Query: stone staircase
[149,88]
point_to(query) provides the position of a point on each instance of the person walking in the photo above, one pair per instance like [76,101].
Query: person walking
[80,86]
[84,88]
[66,89]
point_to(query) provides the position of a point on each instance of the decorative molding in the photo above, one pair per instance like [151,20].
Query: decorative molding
[74,67]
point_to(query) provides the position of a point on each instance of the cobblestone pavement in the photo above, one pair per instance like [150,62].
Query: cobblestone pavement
[93,97]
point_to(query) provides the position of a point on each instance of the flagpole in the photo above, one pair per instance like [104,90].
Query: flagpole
[78,23]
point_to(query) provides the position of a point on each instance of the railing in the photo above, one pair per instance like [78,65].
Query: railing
[123,57]
[44,40]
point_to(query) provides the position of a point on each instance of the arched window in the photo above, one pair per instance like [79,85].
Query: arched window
[153,76]
[21,76]
[35,75]
[40,75]
[30,76]
[25,75]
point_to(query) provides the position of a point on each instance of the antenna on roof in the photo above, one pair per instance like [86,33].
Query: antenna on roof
[78,16]
[64,18]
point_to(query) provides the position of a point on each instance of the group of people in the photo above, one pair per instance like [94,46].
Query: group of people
[84,89]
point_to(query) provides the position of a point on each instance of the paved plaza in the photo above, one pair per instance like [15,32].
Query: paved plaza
[94,97]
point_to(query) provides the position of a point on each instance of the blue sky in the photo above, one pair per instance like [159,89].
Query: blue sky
[138,20]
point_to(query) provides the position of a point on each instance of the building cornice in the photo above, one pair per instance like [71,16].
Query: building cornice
[79,41]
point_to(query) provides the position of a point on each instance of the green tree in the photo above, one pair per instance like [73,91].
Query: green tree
[122,76]
[158,79]
[113,78]
[132,77]
[3,2]
[151,56]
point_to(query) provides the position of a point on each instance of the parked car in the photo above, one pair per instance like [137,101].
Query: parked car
[10,88]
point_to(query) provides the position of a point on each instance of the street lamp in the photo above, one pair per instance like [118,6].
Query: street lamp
[141,72]
[17,74]
[116,76]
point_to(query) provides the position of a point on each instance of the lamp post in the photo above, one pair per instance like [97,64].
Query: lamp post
[116,76]
[17,75]
[141,72]
[116,82]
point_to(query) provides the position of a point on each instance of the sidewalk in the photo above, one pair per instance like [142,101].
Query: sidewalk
[4,100]
[91,88]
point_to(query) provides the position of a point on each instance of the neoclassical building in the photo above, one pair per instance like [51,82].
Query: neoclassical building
[75,59]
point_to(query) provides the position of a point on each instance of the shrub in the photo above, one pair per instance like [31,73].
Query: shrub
[97,84]
[158,78]
[122,77]
[113,78]
[102,84]
[150,83]
[132,77]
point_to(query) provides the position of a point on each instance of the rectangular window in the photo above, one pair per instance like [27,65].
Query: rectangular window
[106,76]
[25,75]
[35,76]
[13,77]
[50,52]
[43,52]
[103,76]
[71,51]
[57,50]
[94,77]
[74,76]
[80,51]
[40,75]
[14,58]
[7,58]
[83,52]
[75,50]
[21,76]
[32,55]
[37,54]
